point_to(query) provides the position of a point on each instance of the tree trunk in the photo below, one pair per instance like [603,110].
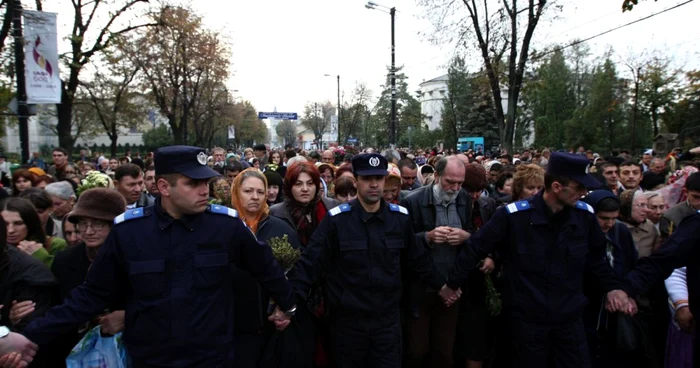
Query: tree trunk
[63,127]
[177,131]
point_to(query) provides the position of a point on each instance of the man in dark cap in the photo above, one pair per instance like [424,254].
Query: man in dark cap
[361,247]
[545,243]
[260,151]
[171,263]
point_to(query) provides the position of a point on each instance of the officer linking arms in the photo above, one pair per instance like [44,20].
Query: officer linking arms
[171,263]
[546,242]
[360,247]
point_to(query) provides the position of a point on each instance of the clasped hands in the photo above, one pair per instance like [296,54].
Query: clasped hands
[449,235]
[449,296]
[280,319]
[619,301]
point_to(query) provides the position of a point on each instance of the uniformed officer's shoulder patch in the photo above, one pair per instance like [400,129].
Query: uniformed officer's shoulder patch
[518,206]
[222,210]
[340,209]
[133,214]
[397,208]
[585,207]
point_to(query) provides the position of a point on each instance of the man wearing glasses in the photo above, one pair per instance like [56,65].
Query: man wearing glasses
[546,242]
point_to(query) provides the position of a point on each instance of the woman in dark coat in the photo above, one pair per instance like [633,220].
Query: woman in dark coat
[252,329]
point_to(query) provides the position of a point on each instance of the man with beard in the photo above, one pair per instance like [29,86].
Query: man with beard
[440,217]
[361,247]
[546,242]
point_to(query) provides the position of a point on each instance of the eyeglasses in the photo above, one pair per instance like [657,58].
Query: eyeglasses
[641,205]
[82,226]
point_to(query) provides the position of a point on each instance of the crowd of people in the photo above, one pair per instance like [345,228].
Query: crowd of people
[412,258]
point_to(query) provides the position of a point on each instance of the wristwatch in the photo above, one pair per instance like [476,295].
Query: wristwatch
[4,331]
[291,312]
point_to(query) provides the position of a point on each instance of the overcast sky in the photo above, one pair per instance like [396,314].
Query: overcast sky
[282,49]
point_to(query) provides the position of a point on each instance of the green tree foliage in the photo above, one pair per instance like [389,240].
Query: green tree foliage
[550,99]
[683,118]
[159,136]
[658,89]
[408,113]
[249,129]
[317,118]
[287,131]
[355,115]
[628,5]
[468,107]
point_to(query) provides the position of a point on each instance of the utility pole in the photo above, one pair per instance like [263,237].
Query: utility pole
[340,114]
[392,12]
[22,108]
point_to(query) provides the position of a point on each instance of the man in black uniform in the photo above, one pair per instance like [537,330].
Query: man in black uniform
[545,242]
[171,263]
[682,249]
[360,247]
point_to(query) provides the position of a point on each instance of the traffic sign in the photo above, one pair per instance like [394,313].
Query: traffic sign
[352,140]
[278,115]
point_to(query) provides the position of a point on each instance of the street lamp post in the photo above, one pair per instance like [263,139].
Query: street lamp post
[392,12]
[340,110]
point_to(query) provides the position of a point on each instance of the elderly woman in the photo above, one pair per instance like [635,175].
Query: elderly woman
[633,212]
[656,206]
[392,185]
[92,217]
[248,196]
[24,231]
[63,197]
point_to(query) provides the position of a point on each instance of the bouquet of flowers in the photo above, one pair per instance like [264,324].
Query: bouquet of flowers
[285,254]
[94,179]
[493,297]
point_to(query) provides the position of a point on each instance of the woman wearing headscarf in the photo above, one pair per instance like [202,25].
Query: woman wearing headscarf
[252,329]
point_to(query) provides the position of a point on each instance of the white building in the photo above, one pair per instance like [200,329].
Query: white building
[432,93]
[40,135]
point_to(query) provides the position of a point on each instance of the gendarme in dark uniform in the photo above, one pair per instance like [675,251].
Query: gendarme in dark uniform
[361,254]
[175,276]
[546,243]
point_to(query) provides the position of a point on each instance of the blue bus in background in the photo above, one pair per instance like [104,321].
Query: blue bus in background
[470,143]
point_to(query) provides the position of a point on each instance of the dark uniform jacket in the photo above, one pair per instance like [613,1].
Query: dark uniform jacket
[175,276]
[544,256]
[361,254]
[681,249]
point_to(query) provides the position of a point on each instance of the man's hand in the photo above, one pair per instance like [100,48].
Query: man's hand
[112,323]
[487,265]
[685,319]
[280,319]
[449,296]
[438,235]
[457,236]
[16,343]
[12,360]
[619,301]
[20,310]
[29,247]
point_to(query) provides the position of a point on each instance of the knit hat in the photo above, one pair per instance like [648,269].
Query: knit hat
[273,178]
[37,171]
[98,203]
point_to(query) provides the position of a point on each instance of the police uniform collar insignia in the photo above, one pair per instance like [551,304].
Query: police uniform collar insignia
[223,210]
[585,206]
[340,209]
[374,161]
[518,206]
[396,208]
[130,215]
